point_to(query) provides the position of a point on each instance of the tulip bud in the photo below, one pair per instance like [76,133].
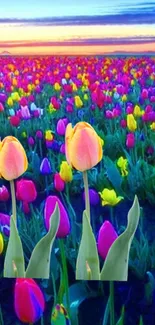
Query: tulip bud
[45,167]
[5,223]
[61,128]
[4,194]
[130,140]
[107,235]
[27,290]
[59,184]
[93,197]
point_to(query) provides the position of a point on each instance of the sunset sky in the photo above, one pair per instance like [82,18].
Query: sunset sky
[77,27]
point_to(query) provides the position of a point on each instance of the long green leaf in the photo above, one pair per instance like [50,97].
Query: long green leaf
[39,264]
[121,319]
[87,264]
[115,267]
[14,264]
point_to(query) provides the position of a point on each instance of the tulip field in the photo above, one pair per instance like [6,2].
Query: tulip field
[77,190]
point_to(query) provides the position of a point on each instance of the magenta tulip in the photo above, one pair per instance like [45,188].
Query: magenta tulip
[64,226]
[107,235]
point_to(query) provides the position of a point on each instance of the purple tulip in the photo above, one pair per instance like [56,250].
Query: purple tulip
[61,128]
[107,235]
[45,167]
[3,97]
[5,223]
[93,197]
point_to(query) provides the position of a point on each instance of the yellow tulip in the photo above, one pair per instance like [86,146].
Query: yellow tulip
[78,102]
[1,243]
[122,163]
[131,123]
[48,135]
[83,146]
[10,101]
[109,197]
[57,87]
[15,96]
[137,111]
[13,159]
[152,126]
[66,172]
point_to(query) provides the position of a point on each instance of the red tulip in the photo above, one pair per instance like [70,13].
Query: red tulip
[29,301]
[64,226]
[14,120]
[26,190]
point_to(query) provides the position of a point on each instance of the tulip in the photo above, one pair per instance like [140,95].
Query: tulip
[31,141]
[83,146]
[131,123]
[26,190]
[1,107]
[13,160]
[109,197]
[27,290]
[66,172]
[130,140]
[93,197]
[45,167]
[122,163]
[4,194]
[39,134]
[123,124]
[64,226]
[14,120]
[62,149]
[5,223]
[61,128]
[59,184]
[106,237]
[49,135]
[1,243]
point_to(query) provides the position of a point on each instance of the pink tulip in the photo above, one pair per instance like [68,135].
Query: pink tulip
[59,184]
[130,140]
[4,194]
[107,235]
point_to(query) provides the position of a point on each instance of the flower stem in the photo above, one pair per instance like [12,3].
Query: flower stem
[13,197]
[86,189]
[112,215]
[1,316]
[65,272]
[112,311]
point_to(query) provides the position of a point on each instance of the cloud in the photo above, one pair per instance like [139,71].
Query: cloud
[80,42]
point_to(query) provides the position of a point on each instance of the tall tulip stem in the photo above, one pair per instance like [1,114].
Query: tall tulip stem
[112,309]
[13,197]
[65,272]
[86,189]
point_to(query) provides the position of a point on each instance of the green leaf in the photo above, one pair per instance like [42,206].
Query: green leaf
[78,292]
[113,174]
[14,264]
[115,267]
[121,319]
[39,264]
[87,264]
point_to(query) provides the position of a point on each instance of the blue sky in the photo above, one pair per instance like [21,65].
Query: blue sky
[64,8]
[113,25]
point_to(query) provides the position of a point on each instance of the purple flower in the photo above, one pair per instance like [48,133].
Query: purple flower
[45,167]
[93,197]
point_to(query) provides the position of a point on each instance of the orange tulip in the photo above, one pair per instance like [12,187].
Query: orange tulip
[13,159]
[83,146]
